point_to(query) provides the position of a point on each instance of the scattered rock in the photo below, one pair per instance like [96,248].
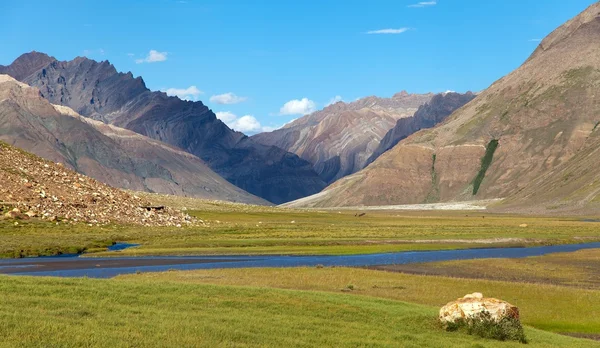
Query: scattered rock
[472,305]
[31,214]
[44,189]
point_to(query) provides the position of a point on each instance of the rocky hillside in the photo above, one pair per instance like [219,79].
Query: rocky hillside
[35,188]
[96,90]
[115,156]
[531,137]
[339,139]
[429,115]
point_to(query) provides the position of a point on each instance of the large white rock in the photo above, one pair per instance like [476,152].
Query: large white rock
[473,304]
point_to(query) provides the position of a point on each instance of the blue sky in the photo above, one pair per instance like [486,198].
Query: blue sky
[273,60]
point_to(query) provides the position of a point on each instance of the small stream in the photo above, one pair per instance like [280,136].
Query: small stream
[113,266]
[121,246]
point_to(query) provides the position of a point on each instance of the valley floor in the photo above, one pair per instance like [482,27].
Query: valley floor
[561,309]
[558,294]
[235,229]
[182,310]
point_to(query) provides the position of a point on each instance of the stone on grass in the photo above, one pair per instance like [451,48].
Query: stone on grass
[473,305]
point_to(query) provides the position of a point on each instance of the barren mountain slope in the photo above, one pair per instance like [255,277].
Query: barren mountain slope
[339,139]
[115,156]
[42,189]
[430,114]
[96,90]
[515,137]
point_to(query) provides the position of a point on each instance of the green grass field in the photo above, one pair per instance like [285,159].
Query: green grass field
[236,229]
[554,308]
[303,307]
[580,269]
[147,312]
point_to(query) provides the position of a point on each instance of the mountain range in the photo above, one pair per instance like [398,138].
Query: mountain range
[116,156]
[96,90]
[339,139]
[532,138]
[428,115]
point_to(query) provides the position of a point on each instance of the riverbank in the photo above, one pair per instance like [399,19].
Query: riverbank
[114,266]
[238,229]
[171,313]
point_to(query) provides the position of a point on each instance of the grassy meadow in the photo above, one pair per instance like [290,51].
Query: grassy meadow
[554,308]
[240,229]
[300,307]
[579,269]
[149,312]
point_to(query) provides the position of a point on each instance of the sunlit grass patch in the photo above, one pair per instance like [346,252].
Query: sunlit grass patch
[38,312]
[548,307]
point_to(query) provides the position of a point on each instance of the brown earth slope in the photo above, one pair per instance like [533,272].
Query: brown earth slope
[531,136]
[37,188]
[96,90]
[430,114]
[339,139]
[115,156]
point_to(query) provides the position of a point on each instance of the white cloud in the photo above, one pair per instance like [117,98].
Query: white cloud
[153,57]
[190,93]
[226,116]
[298,107]
[227,99]
[535,40]
[424,4]
[337,98]
[388,31]
[247,124]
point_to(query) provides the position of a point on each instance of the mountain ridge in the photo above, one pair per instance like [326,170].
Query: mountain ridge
[97,90]
[115,156]
[339,139]
[428,115]
[513,138]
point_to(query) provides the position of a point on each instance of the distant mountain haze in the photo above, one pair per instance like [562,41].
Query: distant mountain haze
[532,137]
[340,139]
[96,90]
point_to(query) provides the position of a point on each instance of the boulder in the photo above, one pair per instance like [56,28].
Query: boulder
[12,215]
[472,305]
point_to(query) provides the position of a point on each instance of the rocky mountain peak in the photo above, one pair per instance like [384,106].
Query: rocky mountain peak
[592,13]
[531,138]
[98,91]
[112,155]
[25,63]
[339,139]
[401,94]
